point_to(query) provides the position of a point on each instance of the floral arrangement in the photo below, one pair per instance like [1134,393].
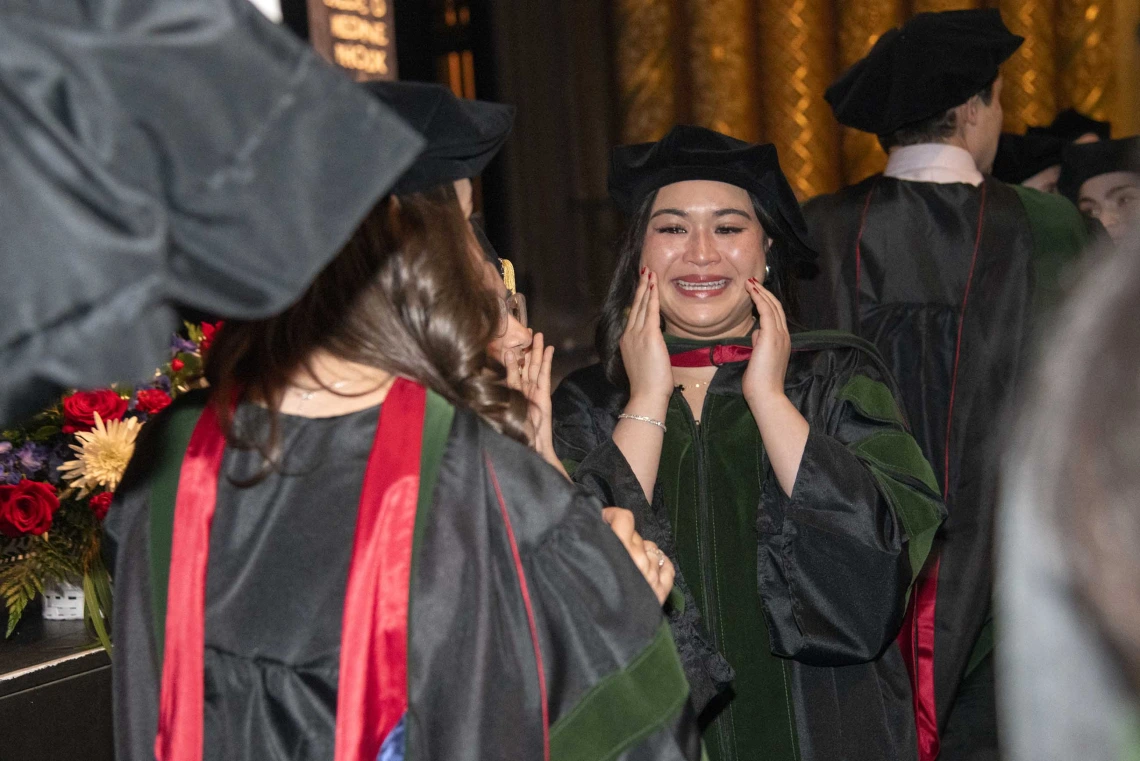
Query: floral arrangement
[59,472]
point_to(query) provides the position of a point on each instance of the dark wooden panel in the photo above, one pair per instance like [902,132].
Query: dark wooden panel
[55,693]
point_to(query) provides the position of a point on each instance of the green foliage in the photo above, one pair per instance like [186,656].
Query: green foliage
[44,563]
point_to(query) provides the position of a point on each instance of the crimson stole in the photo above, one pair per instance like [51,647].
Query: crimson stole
[372,688]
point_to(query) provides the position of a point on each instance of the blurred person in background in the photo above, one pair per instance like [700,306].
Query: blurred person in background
[1103,179]
[1031,160]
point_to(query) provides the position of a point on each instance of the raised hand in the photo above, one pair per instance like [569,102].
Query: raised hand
[763,379]
[783,428]
[534,382]
[654,565]
[643,350]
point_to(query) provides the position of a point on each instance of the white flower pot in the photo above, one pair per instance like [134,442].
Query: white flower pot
[63,602]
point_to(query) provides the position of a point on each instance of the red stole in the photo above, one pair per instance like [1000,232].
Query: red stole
[372,692]
[708,356]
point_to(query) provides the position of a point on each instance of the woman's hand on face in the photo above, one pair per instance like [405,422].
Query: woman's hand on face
[534,383]
[771,346]
[650,560]
[643,350]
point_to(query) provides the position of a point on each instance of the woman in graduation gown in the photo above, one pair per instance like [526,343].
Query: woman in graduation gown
[774,468]
[345,549]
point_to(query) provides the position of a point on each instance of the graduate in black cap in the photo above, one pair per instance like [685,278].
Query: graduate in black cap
[450,124]
[773,467]
[1074,127]
[944,270]
[1032,160]
[345,549]
[1103,179]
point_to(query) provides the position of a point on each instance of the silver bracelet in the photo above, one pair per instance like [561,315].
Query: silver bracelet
[643,419]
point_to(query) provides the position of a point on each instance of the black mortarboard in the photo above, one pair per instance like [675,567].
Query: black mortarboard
[1019,157]
[1071,124]
[935,62]
[1080,163]
[462,135]
[696,153]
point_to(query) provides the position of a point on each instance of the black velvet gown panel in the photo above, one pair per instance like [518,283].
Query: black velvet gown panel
[279,555]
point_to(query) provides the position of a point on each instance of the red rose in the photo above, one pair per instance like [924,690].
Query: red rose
[79,409]
[208,331]
[152,400]
[100,504]
[27,508]
[176,364]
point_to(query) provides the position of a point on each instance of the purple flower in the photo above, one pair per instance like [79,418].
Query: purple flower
[8,474]
[31,456]
[179,344]
[163,383]
[60,454]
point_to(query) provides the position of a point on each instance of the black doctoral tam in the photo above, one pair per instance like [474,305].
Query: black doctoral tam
[1082,162]
[696,153]
[462,135]
[934,62]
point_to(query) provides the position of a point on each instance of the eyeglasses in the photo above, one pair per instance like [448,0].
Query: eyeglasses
[513,305]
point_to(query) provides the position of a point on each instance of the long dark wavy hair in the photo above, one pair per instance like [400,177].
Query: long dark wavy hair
[781,282]
[405,295]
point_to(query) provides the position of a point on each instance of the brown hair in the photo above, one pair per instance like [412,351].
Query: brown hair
[934,129]
[404,295]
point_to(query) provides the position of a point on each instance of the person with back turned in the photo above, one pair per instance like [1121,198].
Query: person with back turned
[943,269]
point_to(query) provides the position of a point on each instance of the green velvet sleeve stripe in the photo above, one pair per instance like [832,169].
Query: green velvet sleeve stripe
[625,707]
[438,416]
[897,453]
[872,398]
[163,493]
[571,466]
[903,474]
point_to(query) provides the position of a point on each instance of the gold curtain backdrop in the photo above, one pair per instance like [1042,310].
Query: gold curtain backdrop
[757,70]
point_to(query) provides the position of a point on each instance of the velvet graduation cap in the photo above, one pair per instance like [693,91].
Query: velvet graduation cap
[462,135]
[935,62]
[696,153]
[1020,157]
[1083,162]
[1071,124]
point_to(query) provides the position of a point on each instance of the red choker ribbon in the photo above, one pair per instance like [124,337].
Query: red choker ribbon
[709,356]
[372,692]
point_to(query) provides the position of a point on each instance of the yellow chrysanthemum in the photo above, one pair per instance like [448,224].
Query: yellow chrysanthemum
[103,454]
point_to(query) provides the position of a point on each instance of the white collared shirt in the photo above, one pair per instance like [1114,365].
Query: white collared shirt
[933,162]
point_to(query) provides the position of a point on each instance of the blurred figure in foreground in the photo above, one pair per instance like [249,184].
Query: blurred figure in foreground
[146,145]
[1068,592]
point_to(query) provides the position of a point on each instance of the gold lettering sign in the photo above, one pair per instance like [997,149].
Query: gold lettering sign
[346,27]
[357,35]
[361,58]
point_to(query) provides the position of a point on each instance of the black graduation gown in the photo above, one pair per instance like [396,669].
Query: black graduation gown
[614,683]
[802,595]
[160,154]
[898,268]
